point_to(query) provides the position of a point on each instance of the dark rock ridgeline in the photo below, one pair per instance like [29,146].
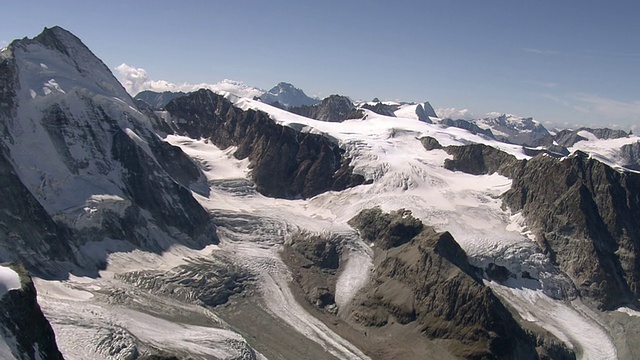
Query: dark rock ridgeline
[480,159]
[586,218]
[475,159]
[285,163]
[426,280]
[334,108]
[157,100]
[381,109]
[22,319]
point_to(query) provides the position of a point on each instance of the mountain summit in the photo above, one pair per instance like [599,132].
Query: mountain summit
[287,96]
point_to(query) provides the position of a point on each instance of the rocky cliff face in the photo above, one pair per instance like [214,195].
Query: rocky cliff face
[23,327]
[335,108]
[631,155]
[157,100]
[422,277]
[381,108]
[285,163]
[425,111]
[479,159]
[585,215]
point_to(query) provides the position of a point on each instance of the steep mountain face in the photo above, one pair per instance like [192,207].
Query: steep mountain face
[285,163]
[381,108]
[425,111]
[631,155]
[335,108]
[479,159]
[423,278]
[100,173]
[25,333]
[157,100]
[287,96]
[585,217]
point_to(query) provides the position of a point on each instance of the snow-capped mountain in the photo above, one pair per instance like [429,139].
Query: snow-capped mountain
[224,227]
[287,96]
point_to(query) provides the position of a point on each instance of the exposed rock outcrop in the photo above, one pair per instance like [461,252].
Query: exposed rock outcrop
[631,155]
[23,325]
[316,260]
[428,282]
[157,100]
[285,163]
[584,214]
[381,108]
[335,108]
[425,112]
[479,159]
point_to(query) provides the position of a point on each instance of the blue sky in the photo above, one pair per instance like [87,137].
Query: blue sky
[573,62]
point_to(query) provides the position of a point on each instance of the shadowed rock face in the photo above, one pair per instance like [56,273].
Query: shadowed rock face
[426,280]
[157,100]
[41,238]
[479,159]
[22,319]
[335,108]
[285,163]
[315,260]
[586,218]
[382,109]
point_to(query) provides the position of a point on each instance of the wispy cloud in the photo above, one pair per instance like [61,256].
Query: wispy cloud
[136,80]
[610,107]
[601,110]
[540,51]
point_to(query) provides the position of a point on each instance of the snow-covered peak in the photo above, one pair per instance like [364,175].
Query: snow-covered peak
[57,51]
[288,96]
[512,128]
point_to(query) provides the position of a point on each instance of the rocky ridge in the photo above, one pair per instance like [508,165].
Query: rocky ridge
[285,163]
[334,108]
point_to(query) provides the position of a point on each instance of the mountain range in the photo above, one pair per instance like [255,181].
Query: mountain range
[211,225]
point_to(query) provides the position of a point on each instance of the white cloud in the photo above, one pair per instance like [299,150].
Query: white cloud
[136,80]
[454,113]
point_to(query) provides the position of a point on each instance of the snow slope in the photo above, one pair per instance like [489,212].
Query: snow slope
[9,280]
